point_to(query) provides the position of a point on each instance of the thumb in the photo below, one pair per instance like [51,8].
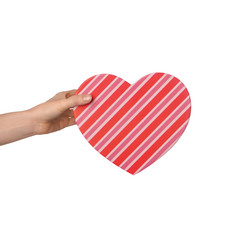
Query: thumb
[75,100]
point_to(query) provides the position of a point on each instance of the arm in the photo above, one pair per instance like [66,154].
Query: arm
[50,116]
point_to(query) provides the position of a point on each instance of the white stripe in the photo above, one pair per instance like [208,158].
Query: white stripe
[160,134]
[95,86]
[135,114]
[144,164]
[96,99]
[136,90]
[157,114]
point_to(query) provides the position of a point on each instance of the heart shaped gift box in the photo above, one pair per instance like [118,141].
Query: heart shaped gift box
[133,125]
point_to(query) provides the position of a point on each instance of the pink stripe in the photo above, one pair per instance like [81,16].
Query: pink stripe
[92,106]
[111,110]
[132,113]
[147,121]
[153,136]
[164,149]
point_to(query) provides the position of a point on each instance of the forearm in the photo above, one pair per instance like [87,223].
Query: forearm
[15,126]
[50,116]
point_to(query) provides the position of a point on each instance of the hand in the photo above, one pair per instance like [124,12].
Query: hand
[47,117]
[57,113]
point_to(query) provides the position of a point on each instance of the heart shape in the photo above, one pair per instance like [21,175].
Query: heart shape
[133,125]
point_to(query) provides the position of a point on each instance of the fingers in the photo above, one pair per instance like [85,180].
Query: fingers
[67,122]
[70,93]
[63,95]
[71,121]
[69,113]
[73,101]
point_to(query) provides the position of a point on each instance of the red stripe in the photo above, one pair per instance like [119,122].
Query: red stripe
[159,142]
[125,108]
[101,110]
[151,128]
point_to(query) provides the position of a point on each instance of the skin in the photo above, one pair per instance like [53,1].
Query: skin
[50,116]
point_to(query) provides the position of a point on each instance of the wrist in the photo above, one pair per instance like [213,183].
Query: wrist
[32,122]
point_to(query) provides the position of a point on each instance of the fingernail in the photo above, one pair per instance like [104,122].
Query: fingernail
[87,98]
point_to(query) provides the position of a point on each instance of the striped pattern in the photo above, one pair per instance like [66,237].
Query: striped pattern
[133,125]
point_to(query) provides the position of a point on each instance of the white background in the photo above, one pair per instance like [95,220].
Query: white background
[56,186]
